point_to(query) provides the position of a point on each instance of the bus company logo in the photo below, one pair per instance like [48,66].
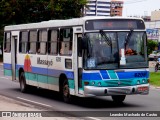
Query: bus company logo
[27,64]
[44,62]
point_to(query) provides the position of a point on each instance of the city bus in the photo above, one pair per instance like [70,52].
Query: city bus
[84,57]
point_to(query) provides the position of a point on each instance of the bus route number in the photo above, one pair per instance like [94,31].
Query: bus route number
[58,59]
[140,74]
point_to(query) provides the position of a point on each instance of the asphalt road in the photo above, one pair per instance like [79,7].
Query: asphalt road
[51,101]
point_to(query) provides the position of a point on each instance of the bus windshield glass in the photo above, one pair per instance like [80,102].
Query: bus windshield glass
[104,50]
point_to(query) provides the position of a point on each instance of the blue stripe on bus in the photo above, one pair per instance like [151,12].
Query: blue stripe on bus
[101,75]
[7,66]
[132,74]
[120,75]
[44,71]
[104,74]
[91,76]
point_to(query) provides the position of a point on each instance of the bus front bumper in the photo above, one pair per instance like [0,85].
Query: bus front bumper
[90,91]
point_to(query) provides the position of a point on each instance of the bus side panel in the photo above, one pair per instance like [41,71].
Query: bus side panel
[7,64]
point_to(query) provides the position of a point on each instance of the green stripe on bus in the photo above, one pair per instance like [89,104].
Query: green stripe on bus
[40,78]
[112,74]
[7,72]
[53,80]
[71,84]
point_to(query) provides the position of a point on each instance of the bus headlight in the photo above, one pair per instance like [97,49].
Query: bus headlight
[93,83]
[138,81]
[99,84]
[143,80]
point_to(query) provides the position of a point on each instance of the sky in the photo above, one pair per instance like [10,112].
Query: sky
[140,7]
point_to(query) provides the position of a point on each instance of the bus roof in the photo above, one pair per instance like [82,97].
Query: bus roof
[59,23]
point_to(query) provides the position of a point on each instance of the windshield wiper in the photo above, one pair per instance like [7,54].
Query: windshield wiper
[128,38]
[109,42]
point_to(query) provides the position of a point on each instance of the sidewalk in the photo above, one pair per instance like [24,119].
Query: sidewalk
[7,104]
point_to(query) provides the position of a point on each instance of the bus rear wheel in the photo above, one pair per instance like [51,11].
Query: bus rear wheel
[118,98]
[22,81]
[65,92]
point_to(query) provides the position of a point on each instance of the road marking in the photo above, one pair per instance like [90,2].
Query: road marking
[93,118]
[4,78]
[33,102]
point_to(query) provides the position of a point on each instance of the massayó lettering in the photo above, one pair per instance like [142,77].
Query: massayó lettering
[44,62]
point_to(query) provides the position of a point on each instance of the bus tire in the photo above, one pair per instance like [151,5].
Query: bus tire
[22,81]
[66,92]
[118,98]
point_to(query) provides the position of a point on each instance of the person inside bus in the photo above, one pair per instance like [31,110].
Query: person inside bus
[98,51]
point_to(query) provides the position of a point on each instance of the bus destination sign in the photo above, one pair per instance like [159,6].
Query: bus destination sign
[116,24]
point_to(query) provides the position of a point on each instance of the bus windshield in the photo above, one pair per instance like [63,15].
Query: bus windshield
[104,50]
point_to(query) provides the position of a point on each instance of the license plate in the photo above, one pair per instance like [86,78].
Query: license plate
[141,89]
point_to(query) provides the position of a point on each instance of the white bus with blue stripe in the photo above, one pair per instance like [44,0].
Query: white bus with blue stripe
[85,57]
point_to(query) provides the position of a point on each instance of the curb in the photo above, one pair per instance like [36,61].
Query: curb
[153,87]
[157,87]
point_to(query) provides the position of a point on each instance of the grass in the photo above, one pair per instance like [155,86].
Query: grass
[155,78]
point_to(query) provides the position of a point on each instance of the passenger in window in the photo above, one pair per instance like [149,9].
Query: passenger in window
[38,51]
[5,50]
[130,51]
[61,51]
[30,51]
[70,52]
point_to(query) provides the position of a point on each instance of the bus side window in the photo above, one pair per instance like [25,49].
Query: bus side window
[52,43]
[66,41]
[23,42]
[42,43]
[33,42]
[7,42]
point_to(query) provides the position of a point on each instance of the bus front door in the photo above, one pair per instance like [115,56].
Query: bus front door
[14,40]
[77,66]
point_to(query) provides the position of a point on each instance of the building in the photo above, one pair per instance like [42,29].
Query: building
[155,15]
[146,18]
[153,26]
[97,8]
[116,7]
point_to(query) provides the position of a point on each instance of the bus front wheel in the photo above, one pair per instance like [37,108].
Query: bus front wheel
[65,91]
[22,81]
[118,98]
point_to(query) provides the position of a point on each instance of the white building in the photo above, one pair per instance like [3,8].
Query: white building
[155,15]
[98,8]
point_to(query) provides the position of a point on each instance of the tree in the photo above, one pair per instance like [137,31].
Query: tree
[29,11]
[26,11]
[151,45]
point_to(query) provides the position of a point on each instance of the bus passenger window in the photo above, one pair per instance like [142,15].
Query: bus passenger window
[23,42]
[7,42]
[42,43]
[32,42]
[66,41]
[52,44]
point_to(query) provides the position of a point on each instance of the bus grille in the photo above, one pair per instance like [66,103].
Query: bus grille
[115,83]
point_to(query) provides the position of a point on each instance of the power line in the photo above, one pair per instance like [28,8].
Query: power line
[133,1]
